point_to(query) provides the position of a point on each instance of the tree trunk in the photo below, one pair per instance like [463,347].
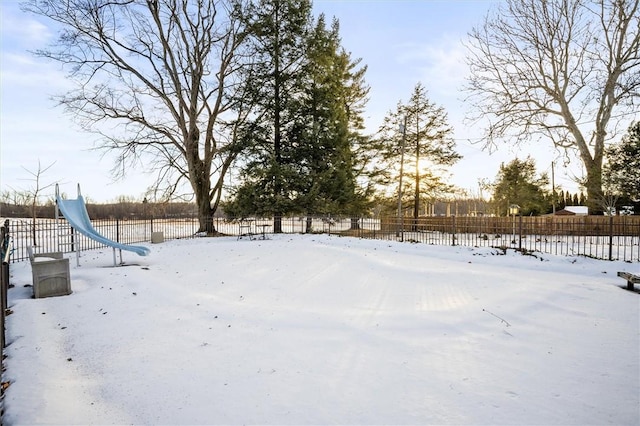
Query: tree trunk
[201,184]
[205,216]
[277,139]
[594,188]
[593,167]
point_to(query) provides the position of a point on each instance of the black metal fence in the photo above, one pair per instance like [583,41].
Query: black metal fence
[600,237]
[5,254]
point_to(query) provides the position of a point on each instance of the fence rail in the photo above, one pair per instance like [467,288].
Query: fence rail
[601,237]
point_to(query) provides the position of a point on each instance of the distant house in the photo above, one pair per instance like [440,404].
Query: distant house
[573,211]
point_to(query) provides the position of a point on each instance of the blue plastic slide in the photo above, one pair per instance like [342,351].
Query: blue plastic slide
[75,211]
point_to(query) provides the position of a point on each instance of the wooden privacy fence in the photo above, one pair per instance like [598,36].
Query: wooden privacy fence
[526,225]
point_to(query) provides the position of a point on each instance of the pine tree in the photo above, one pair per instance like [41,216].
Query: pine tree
[278,31]
[560,203]
[622,170]
[417,131]
[517,183]
[329,125]
[310,166]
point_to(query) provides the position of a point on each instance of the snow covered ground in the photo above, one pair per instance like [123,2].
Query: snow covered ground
[326,330]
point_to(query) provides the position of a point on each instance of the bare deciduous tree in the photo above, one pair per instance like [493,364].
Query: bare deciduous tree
[33,194]
[567,71]
[156,80]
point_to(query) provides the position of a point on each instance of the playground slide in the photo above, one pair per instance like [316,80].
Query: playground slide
[75,212]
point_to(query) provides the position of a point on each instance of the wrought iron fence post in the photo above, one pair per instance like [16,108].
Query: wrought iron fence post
[453,229]
[520,232]
[611,237]
[5,242]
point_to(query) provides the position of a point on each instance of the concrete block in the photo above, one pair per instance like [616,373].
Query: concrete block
[50,273]
[157,237]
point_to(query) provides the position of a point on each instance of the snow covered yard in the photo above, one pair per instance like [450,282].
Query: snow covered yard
[326,330]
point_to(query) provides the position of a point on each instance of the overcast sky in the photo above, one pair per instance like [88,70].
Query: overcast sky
[401,42]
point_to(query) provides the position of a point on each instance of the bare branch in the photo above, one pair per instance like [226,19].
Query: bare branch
[556,70]
[156,80]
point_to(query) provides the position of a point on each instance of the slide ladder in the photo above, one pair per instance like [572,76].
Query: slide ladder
[77,220]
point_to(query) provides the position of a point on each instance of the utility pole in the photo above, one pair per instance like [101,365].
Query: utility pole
[553,188]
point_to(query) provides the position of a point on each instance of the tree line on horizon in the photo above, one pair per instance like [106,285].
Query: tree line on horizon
[20,206]
[196,90]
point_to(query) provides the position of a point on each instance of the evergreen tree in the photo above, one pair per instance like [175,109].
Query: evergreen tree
[622,170]
[560,201]
[325,182]
[517,183]
[278,32]
[309,168]
[418,135]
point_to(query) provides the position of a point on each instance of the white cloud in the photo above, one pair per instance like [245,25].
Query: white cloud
[440,64]
[23,27]
[24,71]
